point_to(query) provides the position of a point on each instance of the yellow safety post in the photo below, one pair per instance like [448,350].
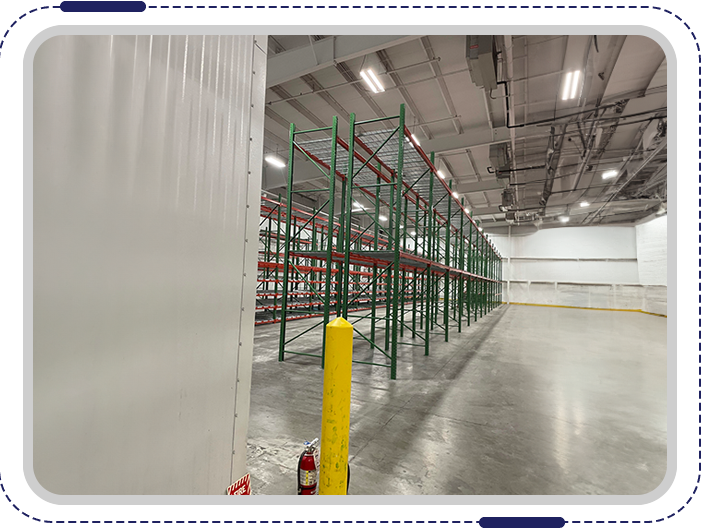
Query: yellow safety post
[335,412]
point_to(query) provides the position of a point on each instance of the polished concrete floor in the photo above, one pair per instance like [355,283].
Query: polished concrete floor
[527,400]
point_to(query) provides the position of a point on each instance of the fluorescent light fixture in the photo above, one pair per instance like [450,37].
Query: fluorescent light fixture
[564,219]
[368,81]
[609,174]
[416,140]
[566,90]
[377,82]
[441,175]
[383,218]
[467,211]
[275,161]
[358,206]
[455,195]
[584,204]
[372,81]
[575,84]
[571,86]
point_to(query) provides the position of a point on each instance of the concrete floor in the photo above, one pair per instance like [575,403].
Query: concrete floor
[528,400]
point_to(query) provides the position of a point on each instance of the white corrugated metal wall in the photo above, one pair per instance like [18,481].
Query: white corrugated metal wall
[147,160]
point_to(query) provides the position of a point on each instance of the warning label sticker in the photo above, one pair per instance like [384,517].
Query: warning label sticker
[241,487]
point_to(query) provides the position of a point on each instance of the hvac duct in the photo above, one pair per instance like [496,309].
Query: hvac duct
[507,199]
[500,158]
[481,54]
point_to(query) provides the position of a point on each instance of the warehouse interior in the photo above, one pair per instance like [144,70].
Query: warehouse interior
[571,190]
[489,212]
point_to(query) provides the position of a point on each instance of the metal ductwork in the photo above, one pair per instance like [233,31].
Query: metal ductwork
[552,160]
[507,199]
[500,158]
[481,54]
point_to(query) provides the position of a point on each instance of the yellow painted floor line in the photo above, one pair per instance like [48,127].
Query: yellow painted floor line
[587,308]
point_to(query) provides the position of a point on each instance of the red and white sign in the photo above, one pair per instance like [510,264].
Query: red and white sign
[241,487]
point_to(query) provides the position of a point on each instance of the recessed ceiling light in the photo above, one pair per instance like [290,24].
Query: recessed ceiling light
[275,161]
[584,204]
[609,174]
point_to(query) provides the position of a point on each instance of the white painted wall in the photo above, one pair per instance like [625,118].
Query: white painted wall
[592,267]
[604,254]
[652,251]
[577,242]
[147,159]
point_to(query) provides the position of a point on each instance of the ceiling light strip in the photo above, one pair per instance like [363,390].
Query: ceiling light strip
[377,82]
[575,84]
[568,83]
[368,81]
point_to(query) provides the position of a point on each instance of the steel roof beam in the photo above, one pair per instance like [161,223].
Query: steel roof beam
[477,187]
[485,211]
[445,93]
[387,63]
[297,62]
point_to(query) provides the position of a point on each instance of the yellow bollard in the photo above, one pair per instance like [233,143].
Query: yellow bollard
[335,412]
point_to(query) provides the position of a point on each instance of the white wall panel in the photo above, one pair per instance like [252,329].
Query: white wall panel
[655,299]
[652,299]
[652,251]
[142,202]
[614,271]
[588,267]
[601,254]
[629,297]
[571,295]
[577,242]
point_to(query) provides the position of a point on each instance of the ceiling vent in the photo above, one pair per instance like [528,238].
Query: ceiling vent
[481,57]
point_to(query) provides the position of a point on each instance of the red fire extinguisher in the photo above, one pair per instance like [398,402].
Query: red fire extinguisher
[308,469]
